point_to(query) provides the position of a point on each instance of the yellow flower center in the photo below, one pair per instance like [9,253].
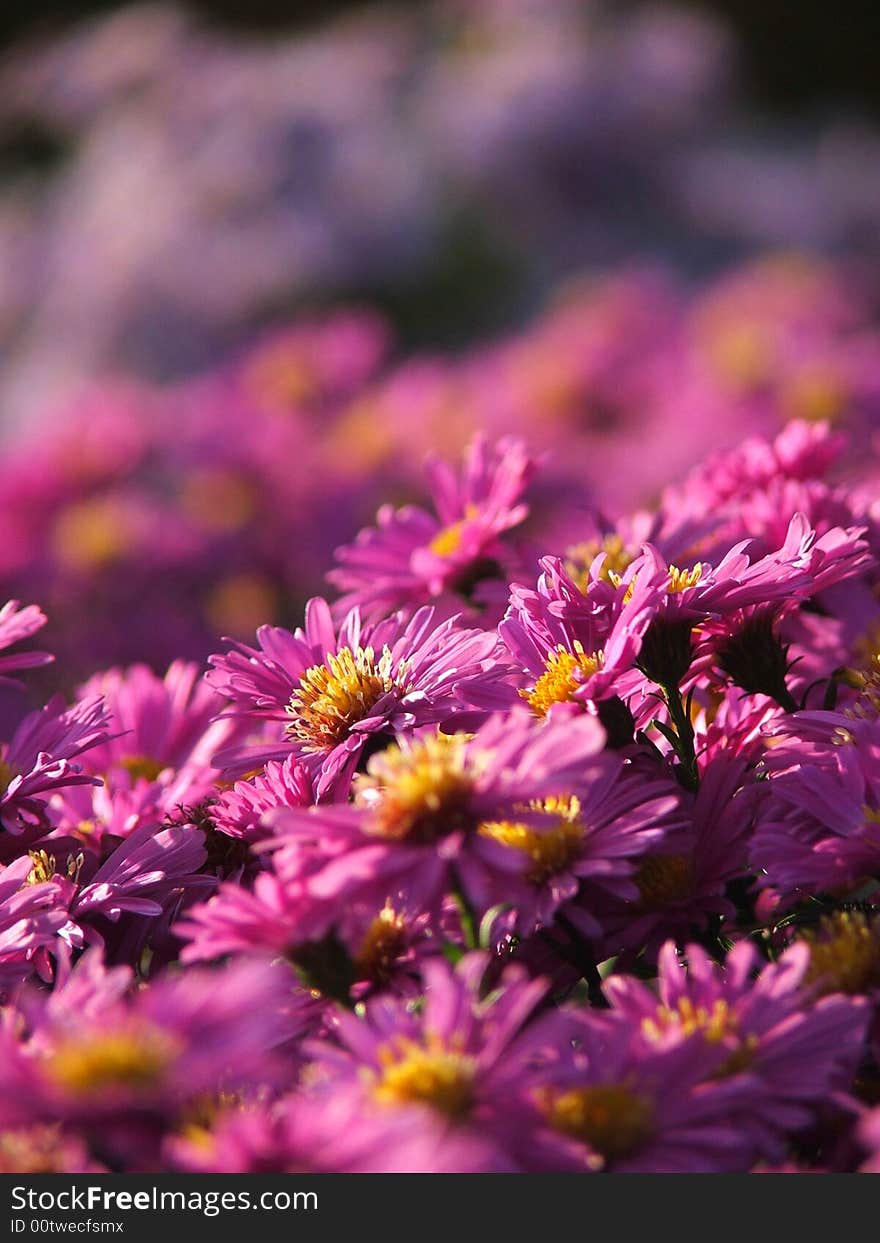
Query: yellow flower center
[817,395]
[424,789]
[565,671]
[90,1064]
[550,848]
[432,1073]
[741,355]
[138,766]
[609,1117]
[383,944]
[43,869]
[91,534]
[715,1024]
[282,376]
[664,880]
[336,695]
[580,558]
[448,541]
[681,580]
[845,953]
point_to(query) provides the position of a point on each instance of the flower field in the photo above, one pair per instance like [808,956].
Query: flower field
[422,751]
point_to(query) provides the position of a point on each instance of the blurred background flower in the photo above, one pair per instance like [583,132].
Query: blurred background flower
[254,270]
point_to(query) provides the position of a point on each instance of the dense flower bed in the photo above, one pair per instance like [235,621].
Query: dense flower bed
[514,854]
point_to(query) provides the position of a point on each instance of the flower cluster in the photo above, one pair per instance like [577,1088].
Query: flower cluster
[505,859]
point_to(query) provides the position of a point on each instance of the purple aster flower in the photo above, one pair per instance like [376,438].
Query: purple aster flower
[146,872]
[339,692]
[617,1103]
[333,1132]
[238,812]
[158,723]
[463,1064]
[579,849]
[414,838]
[683,882]
[800,1050]
[412,557]
[123,1073]
[572,646]
[819,824]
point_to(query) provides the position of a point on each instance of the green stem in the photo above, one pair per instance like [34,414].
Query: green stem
[467,919]
[680,718]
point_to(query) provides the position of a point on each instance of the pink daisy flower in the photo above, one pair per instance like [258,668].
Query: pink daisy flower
[340,692]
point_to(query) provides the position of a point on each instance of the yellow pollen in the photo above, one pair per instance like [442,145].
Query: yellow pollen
[565,672]
[430,1074]
[448,541]
[664,880]
[423,789]
[336,695]
[550,848]
[43,869]
[681,580]
[384,942]
[817,395]
[93,1063]
[845,953]
[715,1024]
[580,558]
[609,1117]
[138,766]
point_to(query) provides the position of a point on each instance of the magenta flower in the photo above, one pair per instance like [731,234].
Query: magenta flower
[464,1066]
[800,1051]
[418,831]
[575,647]
[617,1103]
[157,723]
[146,872]
[238,812]
[683,882]
[123,1073]
[334,1132]
[339,692]
[413,557]
[819,825]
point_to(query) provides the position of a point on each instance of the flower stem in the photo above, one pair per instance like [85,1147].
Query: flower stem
[680,717]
